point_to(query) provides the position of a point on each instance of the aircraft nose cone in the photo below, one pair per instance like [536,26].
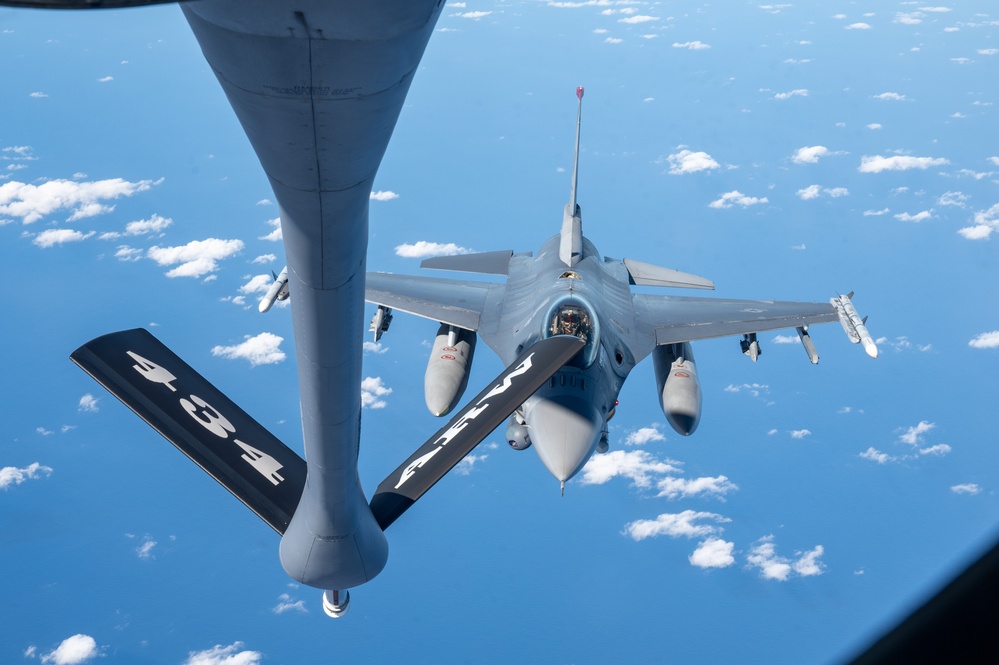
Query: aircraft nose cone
[564,431]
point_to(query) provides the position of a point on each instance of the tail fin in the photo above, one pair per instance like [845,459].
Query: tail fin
[571,245]
[199,420]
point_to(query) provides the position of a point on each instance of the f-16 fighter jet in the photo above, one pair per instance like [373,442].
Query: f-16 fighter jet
[569,289]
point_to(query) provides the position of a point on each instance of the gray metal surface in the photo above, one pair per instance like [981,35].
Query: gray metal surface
[318,86]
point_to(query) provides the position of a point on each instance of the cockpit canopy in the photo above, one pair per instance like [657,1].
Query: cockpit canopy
[573,317]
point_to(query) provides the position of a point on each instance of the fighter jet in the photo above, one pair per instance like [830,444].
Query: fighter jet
[569,289]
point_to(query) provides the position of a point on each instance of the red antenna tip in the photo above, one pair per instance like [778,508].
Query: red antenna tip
[579,92]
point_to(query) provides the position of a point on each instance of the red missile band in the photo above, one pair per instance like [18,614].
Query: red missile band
[579,92]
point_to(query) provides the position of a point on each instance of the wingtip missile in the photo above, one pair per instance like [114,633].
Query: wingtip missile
[579,92]
[277,291]
[854,326]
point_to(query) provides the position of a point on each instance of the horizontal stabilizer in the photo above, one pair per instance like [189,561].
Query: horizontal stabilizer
[485,263]
[470,426]
[199,420]
[644,274]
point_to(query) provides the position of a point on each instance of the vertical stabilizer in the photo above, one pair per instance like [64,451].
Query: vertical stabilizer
[571,246]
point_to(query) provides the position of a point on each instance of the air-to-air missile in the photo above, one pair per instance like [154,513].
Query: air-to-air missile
[853,325]
[278,291]
[380,322]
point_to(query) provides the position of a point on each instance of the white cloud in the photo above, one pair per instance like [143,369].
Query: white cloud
[640,18]
[105,79]
[11,475]
[38,95]
[220,655]
[810,192]
[785,339]
[275,235]
[464,467]
[644,435]
[875,455]
[257,284]
[800,433]
[986,221]
[799,92]
[423,249]
[374,347]
[372,390]
[763,555]
[196,258]
[939,450]
[264,258]
[73,650]
[687,161]
[736,197]
[712,553]
[475,16]
[958,199]
[809,154]
[675,525]
[130,254]
[613,40]
[262,349]
[692,46]
[636,465]
[52,237]
[876,213]
[674,488]
[902,343]
[858,26]
[43,431]
[965,488]
[754,389]
[286,604]
[985,340]
[84,199]
[878,163]
[987,51]
[145,550]
[908,18]
[874,125]
[383,196]
[891,97]
[837,192]
[88,403]
[265,202]
[808,564]
[918,217]
[155,224]
[914,435]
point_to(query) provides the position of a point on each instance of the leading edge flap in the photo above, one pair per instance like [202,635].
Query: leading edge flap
[199,420]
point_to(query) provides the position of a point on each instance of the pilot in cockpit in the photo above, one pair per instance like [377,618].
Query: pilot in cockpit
[570,320]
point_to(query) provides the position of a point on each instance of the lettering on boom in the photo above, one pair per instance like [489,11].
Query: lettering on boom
[462,422]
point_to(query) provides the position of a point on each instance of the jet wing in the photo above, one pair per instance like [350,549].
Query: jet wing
[455,302]
[682,319]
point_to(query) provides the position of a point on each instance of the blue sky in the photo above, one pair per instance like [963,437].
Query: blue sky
[783,151]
